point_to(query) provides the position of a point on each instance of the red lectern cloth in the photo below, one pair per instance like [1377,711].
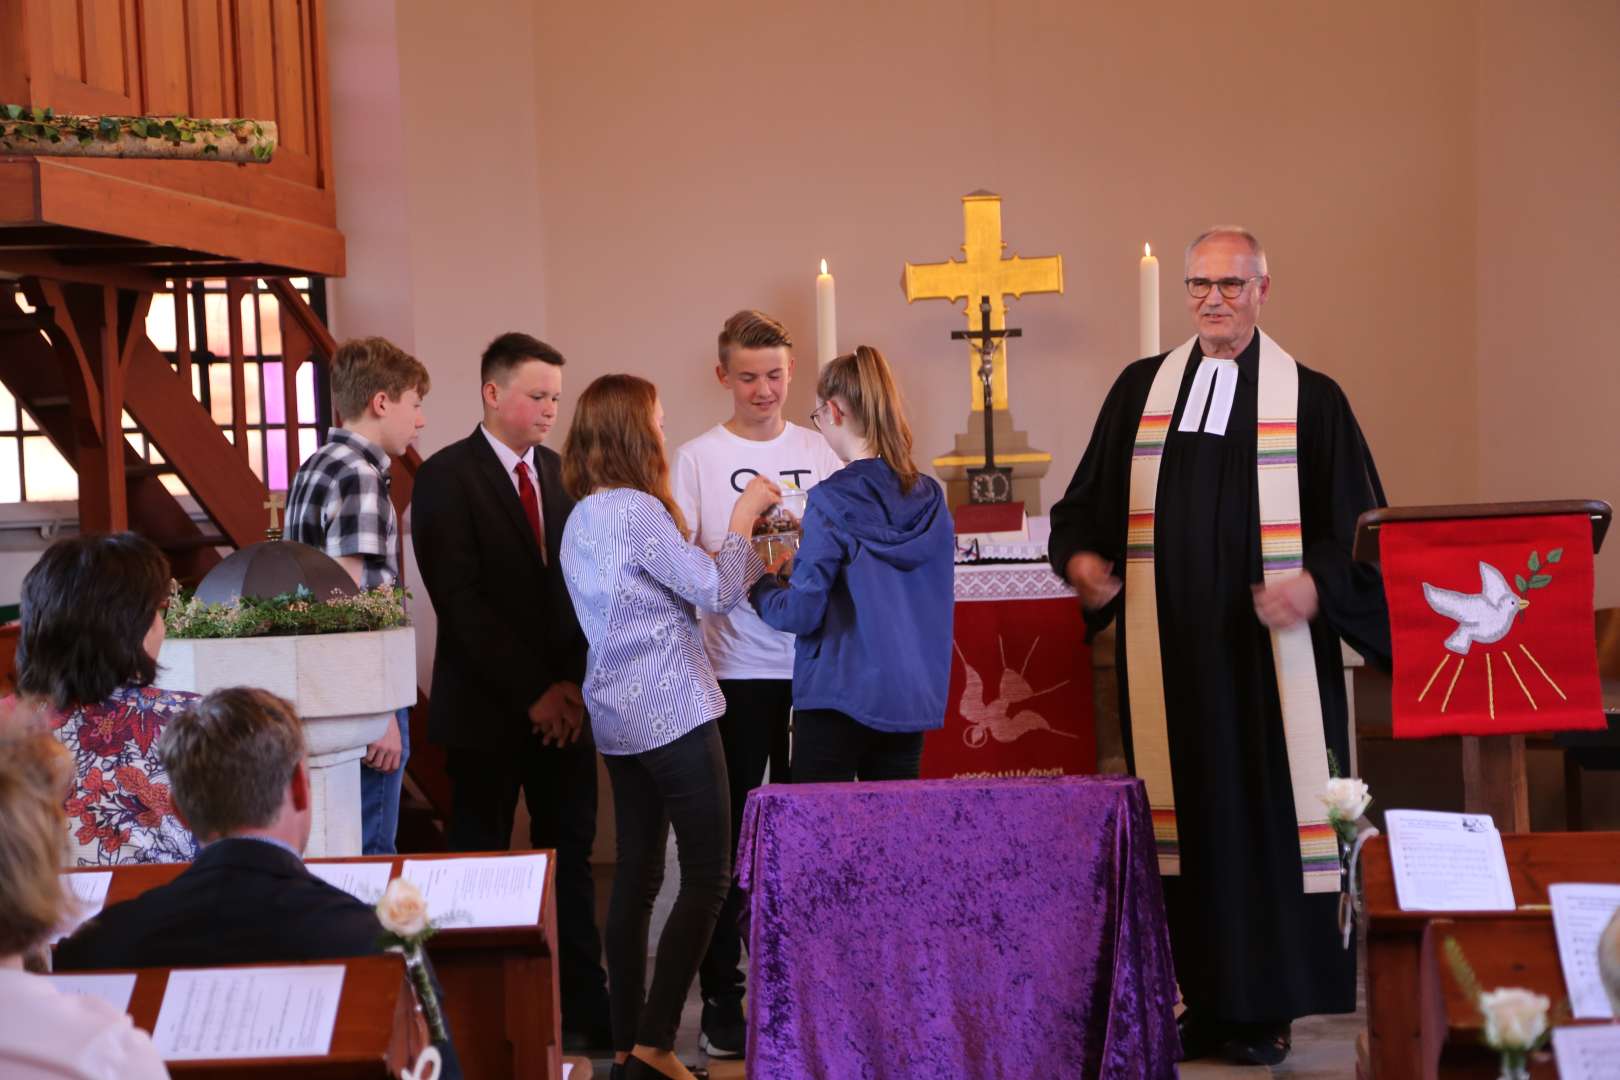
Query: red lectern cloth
[1020,695]
[1492,627]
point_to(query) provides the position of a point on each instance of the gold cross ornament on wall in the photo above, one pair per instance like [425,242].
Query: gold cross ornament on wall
[984,272]
[276,503]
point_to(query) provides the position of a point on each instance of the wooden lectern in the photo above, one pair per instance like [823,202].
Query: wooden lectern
[1493,768]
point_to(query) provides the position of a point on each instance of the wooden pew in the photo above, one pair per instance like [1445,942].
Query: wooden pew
[378,1030]
[500,983]
[1399,943]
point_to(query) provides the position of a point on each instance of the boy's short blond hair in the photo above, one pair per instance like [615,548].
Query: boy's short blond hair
[366,367]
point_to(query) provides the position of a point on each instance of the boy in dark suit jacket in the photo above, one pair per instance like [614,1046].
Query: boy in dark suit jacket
[240,782]
[487,517]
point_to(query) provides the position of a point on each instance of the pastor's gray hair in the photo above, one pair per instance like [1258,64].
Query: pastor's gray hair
[230,758]
[1229,230]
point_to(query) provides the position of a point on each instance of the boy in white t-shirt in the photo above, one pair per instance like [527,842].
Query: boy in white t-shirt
[753,663]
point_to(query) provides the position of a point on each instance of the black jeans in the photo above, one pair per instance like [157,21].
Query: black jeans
[682,783]
[559,787]
[830,747]
[753,730]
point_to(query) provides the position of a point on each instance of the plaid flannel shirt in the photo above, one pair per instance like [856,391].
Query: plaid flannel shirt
[339,504]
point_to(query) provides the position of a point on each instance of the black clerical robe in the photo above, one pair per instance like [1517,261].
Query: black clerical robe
[1250,946]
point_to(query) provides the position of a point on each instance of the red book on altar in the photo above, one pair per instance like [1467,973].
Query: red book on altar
[980,518]
[1491,623]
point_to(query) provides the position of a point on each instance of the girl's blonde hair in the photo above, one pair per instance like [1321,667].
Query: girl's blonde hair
[614,442]
[863,381]
[35,772]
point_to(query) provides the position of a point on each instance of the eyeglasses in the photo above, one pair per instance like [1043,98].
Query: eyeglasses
[815,414]
[1231,287]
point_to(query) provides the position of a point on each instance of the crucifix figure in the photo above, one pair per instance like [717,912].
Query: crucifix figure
[987,483]
[983,273]
[275,504]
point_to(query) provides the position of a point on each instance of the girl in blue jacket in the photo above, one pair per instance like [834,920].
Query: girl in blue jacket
[872,590]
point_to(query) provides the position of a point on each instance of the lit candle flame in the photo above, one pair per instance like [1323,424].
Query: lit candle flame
[823,266]
[1147,251]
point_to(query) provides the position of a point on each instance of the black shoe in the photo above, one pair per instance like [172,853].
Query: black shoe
[636,1069]
[1198,1039]
[725,1030]
[617,1072]
[1259,1044]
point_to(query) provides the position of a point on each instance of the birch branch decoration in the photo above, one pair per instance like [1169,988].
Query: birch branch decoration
[27,130]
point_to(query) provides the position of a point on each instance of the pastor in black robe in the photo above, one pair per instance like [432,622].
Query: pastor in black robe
[1250,946]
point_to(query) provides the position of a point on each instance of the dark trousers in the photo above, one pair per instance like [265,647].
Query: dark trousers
[829,747]
[753,730]
[559,787]
[682,783]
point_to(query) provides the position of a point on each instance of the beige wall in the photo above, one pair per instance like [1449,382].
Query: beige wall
[1548,281]
[619,177]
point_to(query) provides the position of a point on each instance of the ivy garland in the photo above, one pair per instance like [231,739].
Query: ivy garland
[29,128]
[298,612]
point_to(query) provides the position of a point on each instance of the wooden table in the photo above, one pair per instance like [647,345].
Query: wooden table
[378,1030]
[1405,1034]
[500,983]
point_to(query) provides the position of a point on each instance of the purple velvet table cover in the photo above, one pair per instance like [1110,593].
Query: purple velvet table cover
[950,928]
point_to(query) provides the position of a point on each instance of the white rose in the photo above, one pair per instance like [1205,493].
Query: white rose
[403,910]
[1347,798]
[1514,1018]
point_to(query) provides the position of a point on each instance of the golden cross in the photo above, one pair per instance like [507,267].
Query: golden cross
[984,273]
[275,504]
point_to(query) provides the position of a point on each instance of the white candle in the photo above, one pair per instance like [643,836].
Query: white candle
[1148,306]
[826,317]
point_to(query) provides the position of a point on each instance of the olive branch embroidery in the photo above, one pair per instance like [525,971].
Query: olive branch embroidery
[1538,578]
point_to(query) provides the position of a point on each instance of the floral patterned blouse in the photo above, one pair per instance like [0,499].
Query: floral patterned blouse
[119,810]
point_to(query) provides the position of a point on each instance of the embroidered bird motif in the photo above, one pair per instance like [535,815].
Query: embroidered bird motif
[1009,717]
[1485,616]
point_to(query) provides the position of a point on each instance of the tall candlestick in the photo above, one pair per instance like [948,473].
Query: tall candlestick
[826,317]
[1148,306]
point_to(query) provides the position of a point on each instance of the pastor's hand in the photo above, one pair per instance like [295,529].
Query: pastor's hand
[559,715]
[1290,601]
[1093,578]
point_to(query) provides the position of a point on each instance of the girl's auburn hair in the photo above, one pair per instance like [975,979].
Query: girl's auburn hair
[614,442]
[864,381]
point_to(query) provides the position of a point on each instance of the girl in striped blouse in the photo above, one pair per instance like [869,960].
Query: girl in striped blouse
[635,582]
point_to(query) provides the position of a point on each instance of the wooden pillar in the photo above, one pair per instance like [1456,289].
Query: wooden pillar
[235,290]
[1494,780]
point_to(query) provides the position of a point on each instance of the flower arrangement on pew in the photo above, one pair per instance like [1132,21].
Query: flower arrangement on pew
[403,913]
[1516,1020]
[1347,799]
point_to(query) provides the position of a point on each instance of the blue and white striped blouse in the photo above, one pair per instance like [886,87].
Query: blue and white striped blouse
[634,582]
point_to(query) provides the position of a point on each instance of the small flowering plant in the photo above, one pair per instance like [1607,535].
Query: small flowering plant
[403,912]
[1516,1020]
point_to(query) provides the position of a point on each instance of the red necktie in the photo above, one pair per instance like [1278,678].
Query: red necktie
[531,506]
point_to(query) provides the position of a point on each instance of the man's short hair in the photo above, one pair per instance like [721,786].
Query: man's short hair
[750,329]
[365,367]
[1229,230]
[511,349]
[87,605]
[230,758]
[1609,961]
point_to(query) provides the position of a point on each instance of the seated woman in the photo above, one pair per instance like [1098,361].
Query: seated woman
[92,621]
[43,1031]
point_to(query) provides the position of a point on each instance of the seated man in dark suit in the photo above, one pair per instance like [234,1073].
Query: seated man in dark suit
[240,782]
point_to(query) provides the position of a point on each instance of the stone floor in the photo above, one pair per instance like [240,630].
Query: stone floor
[1324,1046]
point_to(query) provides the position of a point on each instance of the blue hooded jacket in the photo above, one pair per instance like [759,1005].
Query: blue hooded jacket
[871,599]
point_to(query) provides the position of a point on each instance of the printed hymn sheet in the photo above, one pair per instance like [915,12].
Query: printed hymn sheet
[1448,862]
[499,890]
[1580,912]
[211,1013]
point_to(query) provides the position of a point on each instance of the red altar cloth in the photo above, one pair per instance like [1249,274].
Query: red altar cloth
[1020,696]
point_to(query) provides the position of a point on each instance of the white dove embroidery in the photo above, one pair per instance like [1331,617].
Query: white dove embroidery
[1009,717]
[1485,616]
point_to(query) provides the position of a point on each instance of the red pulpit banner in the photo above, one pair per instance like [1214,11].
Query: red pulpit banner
[1020,694]
[1492,626]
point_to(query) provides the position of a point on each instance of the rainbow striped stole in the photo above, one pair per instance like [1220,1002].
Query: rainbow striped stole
[1282,555]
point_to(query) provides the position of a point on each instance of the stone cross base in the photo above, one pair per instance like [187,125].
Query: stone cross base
[1012,450]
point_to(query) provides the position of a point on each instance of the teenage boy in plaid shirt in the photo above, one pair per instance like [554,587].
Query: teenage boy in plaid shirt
[339,503]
